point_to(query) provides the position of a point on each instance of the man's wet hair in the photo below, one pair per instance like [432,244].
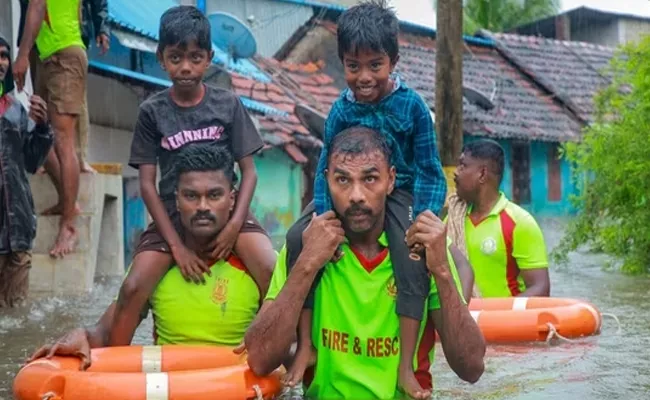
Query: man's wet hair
[204,157]
[182,25]
[369,26]
[490,151]
[359,140]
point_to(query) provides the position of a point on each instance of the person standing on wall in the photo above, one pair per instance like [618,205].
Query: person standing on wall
[94,15]
[55,27]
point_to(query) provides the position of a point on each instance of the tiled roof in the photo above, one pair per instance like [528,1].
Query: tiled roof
[290,84]
[573,69]
[521,109]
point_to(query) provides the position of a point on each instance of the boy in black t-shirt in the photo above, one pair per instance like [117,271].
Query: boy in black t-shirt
[189,112]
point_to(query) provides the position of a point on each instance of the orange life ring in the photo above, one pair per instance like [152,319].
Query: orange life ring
[146,373]
[529,319]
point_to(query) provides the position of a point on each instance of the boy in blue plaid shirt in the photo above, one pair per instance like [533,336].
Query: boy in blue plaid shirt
[378,99]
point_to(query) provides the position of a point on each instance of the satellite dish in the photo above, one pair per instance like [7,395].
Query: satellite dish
[476,97]
[232,35]
[312,119]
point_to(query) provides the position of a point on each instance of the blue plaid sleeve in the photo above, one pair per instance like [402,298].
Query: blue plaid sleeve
[333,124]
[430,187]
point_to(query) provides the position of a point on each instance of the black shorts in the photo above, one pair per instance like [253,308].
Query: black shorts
[152,240]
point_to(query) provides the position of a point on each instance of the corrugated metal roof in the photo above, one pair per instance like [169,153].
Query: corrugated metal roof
[261,107]
[137,76]
[405,24]
[113,70]
[143,17]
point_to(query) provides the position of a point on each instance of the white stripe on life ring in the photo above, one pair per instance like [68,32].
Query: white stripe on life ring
[519,303]
[151,359]
[597,318]
[475,315]
[157,386]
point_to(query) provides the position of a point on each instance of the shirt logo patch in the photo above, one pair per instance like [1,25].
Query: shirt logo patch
[391,288]
[220,293]
[489,246]
[175,142]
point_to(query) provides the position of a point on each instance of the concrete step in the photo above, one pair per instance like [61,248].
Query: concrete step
[100,246]
[45,195]
[47,228]
[67,275]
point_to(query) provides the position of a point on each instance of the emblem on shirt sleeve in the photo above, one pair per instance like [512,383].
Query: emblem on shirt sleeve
[489,246]
[391,288]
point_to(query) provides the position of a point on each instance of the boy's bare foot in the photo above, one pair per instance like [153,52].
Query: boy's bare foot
[57,209]
[410,385]
[40,171]
[304,359]
[65,241]
[86,168]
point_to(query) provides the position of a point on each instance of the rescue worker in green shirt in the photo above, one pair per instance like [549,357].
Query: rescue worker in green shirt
[355,329]
[503,242]
[215,313]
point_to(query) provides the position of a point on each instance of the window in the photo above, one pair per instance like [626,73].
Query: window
[521,172]
[554,173]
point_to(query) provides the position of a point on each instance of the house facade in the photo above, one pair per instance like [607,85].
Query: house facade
[589,25]
[528,119]
[265,89]
[542,89]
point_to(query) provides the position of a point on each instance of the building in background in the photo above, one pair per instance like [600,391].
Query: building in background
[120,80]
[538,94]
[589,25]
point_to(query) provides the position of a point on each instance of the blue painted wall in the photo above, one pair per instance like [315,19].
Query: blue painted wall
[277,202]
[135,217]
[539,205]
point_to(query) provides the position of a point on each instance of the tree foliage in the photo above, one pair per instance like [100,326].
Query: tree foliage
[501,15]
[613,167]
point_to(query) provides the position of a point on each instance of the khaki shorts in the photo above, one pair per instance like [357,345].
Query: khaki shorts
[61,80]
[14,278]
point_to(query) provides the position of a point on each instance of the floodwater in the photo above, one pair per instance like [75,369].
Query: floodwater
[613,365]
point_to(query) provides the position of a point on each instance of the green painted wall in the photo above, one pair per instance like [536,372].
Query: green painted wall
[277,199]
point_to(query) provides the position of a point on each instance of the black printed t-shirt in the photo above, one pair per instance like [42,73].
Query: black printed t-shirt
[163,127]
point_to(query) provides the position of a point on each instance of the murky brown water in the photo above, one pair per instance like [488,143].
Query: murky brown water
[610,366]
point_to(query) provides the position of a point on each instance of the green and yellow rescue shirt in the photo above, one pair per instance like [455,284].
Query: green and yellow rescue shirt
[217,313]
[355,328]
[61,27]
[507,241]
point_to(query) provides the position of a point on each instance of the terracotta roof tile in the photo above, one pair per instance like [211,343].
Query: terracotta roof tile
[295,153]
[573,68]
[323,79]
[291,84]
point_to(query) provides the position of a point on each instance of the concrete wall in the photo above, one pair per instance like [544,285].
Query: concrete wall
[606,34]
[632,30]
[273,21]
[277,200]
[539,205]
[111,145]
[6,23]
[613,33]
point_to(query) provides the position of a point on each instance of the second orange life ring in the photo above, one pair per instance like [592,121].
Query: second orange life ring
[146,373]
[530,319]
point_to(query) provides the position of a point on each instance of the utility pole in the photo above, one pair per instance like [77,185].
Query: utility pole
[449,81]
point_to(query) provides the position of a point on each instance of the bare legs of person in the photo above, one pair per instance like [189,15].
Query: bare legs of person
[305,354]
[409,329]
[62,166]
